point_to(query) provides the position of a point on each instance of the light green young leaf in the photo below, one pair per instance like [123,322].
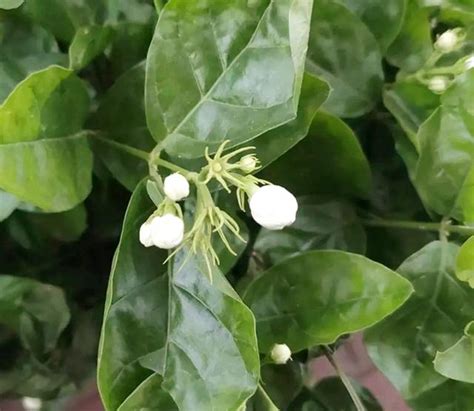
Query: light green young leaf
[403,346]
[121,119]
[345,53]
[10,4]
[317,296]
[384,19]
[465,262]
[203,71]
[88,43]
[457,361]
[44,160]
[162,328]
[319,224]
[413,45]
[444,175]
[329,161]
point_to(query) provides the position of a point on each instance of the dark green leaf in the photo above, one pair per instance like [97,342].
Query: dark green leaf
[38,121]
[413,45]
[411,103]
[87,44]
[449,396]
[25,49]
[328,161]
[163,328]
[404,346]
[317,296]
[203,71]
[275,143]
[319,225]
[384,19]
[121,119]
[345,53]
[23,310]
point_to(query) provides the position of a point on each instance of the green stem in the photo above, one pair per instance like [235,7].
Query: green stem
[345,380]
[123,147]
[170,166]
[422,226]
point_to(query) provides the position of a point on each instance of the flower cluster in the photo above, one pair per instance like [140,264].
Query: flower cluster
[271,206]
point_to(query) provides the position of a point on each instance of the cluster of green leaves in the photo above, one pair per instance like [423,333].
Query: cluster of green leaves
[330,94]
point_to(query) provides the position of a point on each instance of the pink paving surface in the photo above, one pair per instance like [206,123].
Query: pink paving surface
[352,356]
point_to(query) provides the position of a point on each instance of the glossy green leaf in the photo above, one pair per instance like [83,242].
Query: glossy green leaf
[25,49]
[200,84]
[384,19]
[121,119]
[444,173]
[404,346]
[163,327]
[38,122]
[88,43]
[317,296]
[282,382]
[413,45]
[328,161]
[261,402]
[457,361]
[465,262]
[319,225]
[355,74]
[10,4]
[22,310]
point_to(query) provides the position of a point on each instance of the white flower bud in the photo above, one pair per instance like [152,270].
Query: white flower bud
[145,234]
[438,84]
[469,63]
[280,353]
[447,41]
[31,404]
[273,207]
[176,187]
[167,231]
[248,163]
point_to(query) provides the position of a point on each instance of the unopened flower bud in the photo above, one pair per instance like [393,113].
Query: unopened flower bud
[167,231]
[438,84]
[248,164]
[31,404]
[280,353]
[145,234]
[447,41]
[176,187]
[273,207]
[469,63]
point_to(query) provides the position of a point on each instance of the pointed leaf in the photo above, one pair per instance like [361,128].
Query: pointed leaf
[317,296]
[163,325]
[404,346]
[203,70]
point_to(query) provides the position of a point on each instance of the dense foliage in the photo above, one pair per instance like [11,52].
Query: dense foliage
[363,109]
